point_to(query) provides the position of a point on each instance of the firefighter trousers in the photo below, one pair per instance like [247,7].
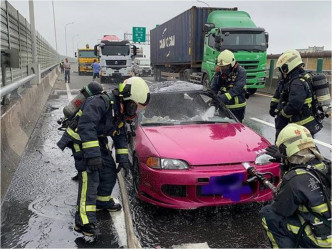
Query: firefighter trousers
[94,187]
[280,230]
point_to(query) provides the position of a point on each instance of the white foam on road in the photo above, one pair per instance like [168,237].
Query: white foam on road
[119,225]
[70,97]
[272,125]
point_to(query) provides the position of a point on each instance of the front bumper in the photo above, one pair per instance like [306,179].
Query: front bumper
[190,189]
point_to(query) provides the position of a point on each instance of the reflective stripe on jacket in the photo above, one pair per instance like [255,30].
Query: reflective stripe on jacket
[231,88]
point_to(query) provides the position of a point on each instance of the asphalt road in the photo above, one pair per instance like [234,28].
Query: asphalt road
[39,206]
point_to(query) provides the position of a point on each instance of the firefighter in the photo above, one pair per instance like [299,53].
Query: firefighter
[301,211]
[100,117]
[229,83]
[292,100]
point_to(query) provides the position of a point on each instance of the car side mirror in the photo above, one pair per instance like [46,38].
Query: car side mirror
[75,54]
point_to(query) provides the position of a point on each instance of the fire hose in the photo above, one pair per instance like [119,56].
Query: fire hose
[258,176]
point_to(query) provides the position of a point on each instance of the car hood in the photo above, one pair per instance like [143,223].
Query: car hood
[206,144]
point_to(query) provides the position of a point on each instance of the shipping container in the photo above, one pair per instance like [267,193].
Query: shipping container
[181,39]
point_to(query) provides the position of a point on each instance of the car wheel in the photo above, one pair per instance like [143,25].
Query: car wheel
[136,177]
[206,81]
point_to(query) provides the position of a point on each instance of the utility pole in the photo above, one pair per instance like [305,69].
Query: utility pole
[56,41]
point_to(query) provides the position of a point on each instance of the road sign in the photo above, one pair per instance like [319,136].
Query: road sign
[139,34]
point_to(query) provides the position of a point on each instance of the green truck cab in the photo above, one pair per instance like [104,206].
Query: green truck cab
[186,47]
[235,31]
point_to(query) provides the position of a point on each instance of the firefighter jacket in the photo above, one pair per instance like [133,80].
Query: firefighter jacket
[231,87]
[293,101]
[97,119]
[300,192]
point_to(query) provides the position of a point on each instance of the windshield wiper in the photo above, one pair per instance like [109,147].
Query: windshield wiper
[203,122]
[156,124]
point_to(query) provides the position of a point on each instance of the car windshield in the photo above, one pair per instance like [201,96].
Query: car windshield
[183,108]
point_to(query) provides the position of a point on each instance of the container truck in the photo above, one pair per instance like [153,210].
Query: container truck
[85,57]
[116,57]
[187,46]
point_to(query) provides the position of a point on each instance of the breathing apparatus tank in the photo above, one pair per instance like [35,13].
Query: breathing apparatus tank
[75,104]
[322,95]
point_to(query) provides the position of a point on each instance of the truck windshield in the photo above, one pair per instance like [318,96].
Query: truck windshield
[244,41]
[115,50]
[86,54]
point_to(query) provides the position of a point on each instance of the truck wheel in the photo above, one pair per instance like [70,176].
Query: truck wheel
[186,75]
[158,75]
[206,82]
[251,91]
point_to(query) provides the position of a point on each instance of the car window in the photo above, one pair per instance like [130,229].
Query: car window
[184,108]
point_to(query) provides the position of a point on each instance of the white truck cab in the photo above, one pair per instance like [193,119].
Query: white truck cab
[116,58]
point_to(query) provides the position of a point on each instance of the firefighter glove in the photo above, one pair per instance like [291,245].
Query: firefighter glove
[273,112]
[274,152]
[95,163]
[125,167]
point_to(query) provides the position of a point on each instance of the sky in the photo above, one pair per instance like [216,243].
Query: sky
[291,24]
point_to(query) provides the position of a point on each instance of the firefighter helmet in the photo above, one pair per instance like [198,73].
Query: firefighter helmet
[288,61]
[294,138]
[135,89]
[225,58]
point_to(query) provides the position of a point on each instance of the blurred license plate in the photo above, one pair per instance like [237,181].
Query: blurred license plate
[228,186]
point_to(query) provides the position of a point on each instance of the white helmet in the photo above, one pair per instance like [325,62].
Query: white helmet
[288,61]
[135,89]
[225,58]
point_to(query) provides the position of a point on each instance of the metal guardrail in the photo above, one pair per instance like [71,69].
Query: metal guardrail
[15,85]
[16,33]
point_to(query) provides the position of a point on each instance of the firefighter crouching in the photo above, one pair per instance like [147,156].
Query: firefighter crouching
[101,115]
[300,214]
[229,83]
[292,101]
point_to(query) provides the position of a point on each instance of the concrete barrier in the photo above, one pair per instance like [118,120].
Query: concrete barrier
[18,120]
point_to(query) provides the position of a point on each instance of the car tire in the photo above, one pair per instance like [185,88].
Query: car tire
[136,176]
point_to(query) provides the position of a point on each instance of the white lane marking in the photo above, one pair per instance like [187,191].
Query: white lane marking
[265,95]
[70,97]
[149,81]
[272,125]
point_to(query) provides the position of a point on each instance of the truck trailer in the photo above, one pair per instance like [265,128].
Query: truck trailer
[187,46]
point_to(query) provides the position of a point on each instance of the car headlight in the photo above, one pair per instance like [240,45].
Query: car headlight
[262,159]
[166,163]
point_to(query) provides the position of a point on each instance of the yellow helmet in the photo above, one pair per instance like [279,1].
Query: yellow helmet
[288,61]
[135,89]
[294,138]
[225,58]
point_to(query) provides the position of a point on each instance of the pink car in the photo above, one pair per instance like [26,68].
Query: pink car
[189,151]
